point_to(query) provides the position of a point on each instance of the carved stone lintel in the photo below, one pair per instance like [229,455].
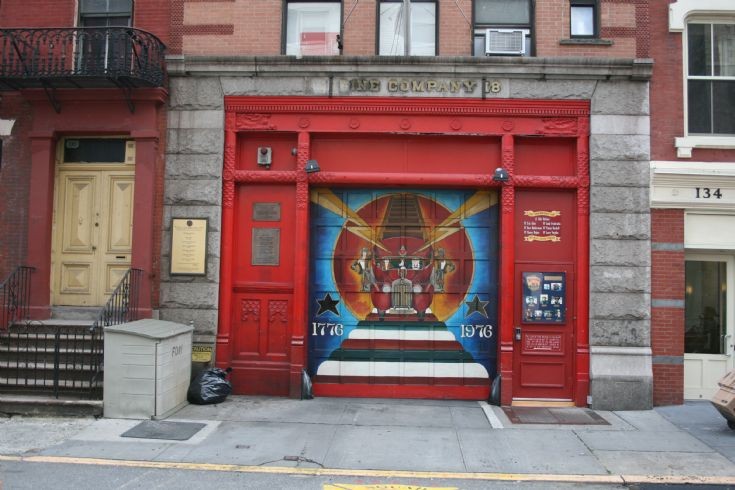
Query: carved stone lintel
[254,121]
[559,125]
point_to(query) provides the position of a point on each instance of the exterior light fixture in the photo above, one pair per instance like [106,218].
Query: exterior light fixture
[501,175]
[312,166]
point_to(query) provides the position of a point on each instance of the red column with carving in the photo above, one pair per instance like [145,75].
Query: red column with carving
[301,269]
[224,349]
[583,253]
[507,283]
[146,148]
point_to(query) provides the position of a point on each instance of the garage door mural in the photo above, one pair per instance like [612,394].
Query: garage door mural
[403,287]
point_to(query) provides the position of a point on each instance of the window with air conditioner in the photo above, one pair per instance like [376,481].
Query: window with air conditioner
[313,28]
[407,28]
[502,28]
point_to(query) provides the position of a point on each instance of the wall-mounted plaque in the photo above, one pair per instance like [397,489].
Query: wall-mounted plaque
[189,246]
[542,226]
[266,211]
[266,246]
[544,297]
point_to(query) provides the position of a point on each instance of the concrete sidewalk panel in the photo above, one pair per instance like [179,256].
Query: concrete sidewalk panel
[21,434]
[409,415]
[137,450]
[646,420]
[674,441]
[252,409]
[258,443]
[527,451]
[469,418]
[665,463]
[395,448]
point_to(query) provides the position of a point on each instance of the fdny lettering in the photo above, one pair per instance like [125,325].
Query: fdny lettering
[429,86]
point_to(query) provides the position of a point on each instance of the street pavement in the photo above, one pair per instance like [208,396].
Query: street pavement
[441,441]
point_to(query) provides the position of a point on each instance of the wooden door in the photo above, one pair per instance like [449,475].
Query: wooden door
[262,293]
[93,220]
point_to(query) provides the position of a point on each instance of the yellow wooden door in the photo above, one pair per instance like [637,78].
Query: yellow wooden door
[93,220]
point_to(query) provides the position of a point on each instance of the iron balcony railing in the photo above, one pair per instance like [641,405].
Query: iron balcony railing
[15,295]
[80,57]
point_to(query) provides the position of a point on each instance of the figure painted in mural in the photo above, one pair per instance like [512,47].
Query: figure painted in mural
[441,267]
[364,267]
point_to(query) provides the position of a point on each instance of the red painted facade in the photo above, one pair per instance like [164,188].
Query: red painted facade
[263,326]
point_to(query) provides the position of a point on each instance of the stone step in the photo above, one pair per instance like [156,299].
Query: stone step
[89,313]
[44,405]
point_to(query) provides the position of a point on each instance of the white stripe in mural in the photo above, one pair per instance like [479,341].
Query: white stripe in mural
[382,334]
[402,369]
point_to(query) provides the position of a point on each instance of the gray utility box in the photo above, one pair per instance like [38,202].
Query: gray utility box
[147,369]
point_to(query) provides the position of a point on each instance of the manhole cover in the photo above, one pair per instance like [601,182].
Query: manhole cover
[173,431]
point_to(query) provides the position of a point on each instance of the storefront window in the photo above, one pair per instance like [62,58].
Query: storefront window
[705,307]
[312,28]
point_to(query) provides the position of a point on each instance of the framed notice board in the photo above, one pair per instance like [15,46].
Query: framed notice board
[189,246]
[544,297]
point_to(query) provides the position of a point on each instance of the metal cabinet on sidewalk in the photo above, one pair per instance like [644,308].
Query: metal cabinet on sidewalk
[147,368]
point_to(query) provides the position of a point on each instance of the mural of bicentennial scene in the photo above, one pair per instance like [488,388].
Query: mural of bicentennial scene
[403,287]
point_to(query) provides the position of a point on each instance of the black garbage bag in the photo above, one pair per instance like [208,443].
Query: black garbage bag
[209,386]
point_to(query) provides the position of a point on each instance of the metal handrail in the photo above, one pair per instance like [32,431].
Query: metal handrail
[15,294]
[125,55]
[121,307]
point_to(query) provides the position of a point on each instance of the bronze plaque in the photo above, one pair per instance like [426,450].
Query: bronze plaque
[266,246]
[189,246]
[266,211]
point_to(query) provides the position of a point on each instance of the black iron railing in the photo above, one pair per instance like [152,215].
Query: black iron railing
[15,294]
[122,307]
[55,358]
[80,57]
[50,359]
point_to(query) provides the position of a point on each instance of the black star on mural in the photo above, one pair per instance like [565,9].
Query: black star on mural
[476,306]
[327,304]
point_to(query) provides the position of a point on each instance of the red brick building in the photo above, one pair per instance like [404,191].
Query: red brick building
[692,152]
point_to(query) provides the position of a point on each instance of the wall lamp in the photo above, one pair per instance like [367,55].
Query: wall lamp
[312,166]
[501,175]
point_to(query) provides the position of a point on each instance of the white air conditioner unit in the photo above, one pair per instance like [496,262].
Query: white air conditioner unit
[505,41]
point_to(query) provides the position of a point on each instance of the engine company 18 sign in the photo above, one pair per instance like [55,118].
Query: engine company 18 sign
[542,226]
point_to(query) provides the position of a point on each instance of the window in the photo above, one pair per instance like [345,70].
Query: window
[502,27]
[105,13]
[407,28]
[583,18]
[705,307]
[104,51]
[710,78]
[313,28]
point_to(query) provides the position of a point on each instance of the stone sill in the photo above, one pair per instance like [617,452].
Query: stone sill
[685,145]
[586,42]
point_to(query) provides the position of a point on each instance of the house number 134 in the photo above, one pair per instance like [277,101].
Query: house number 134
[707,193]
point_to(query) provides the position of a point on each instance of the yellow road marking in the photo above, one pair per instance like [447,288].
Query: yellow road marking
[348,486]
[283,470]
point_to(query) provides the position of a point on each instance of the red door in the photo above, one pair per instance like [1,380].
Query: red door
[262,289]
[543,343]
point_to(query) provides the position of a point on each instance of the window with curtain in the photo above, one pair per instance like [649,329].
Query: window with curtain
[415,21]
[312,28]
[501,16]
[710,79]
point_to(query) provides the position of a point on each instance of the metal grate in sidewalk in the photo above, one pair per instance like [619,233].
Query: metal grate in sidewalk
[553,416]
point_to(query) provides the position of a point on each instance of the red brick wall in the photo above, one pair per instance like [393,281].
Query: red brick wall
[621,21]
[667,312]
[667,92]
[455,32]
[37,13]
[14,179]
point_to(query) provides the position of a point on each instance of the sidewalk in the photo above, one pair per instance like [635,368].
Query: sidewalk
[690,441]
